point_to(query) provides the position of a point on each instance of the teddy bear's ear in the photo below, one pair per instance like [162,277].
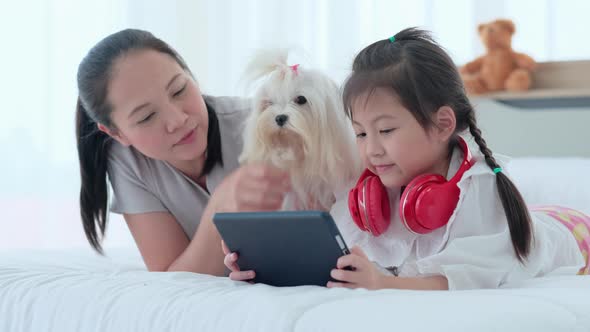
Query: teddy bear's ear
[481,27]
[506,24]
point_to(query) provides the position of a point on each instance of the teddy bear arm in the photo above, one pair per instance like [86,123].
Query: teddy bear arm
[524,61]
[472,66]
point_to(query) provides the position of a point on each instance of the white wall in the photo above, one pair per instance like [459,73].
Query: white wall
[44,40]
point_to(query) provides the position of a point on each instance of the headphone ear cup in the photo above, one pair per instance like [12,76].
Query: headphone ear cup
[368,204]
[378,207]
[419,205]
[436,204]
[429,201]
[353,207]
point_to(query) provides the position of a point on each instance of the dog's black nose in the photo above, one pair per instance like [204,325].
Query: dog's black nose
[281,119]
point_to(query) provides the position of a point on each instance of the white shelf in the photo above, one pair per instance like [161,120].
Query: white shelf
[563,84]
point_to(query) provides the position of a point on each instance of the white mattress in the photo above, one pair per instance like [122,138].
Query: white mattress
[71,291]
[75,290]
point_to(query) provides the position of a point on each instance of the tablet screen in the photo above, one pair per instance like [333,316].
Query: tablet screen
[285,248]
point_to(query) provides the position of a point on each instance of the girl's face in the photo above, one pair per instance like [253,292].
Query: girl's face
[157,108]
[391,142]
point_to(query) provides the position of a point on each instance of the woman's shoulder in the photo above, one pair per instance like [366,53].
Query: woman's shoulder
[227,106]
[126,159]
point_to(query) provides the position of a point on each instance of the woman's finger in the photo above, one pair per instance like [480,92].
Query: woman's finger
[253,199]
[265,171]
[269,178]
[266,187]
[242,275]
[230,261]
[256,194]
[224,248]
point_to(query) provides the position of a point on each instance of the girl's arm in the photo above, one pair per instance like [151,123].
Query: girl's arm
[364,274]
[417,283]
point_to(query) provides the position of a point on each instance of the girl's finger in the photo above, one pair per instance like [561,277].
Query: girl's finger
[351,260]
[343,275]
[333,284]
[242,275]
[358,251]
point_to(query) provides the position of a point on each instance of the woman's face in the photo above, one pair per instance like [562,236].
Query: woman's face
[157,108]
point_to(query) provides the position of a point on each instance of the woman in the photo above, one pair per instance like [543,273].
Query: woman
[170,154]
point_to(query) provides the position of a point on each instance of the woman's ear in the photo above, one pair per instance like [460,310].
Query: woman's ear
[114,134]
[445,123]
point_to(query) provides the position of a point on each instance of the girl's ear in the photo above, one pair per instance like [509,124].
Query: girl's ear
[114,134]
[445,123]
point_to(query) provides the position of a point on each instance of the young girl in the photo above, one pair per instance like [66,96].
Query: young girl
[456,220]
[437,215]
[171,154]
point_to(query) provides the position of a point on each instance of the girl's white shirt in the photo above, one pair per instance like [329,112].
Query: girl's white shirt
[474,250]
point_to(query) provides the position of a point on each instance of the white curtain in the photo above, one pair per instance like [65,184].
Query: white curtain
[44,41]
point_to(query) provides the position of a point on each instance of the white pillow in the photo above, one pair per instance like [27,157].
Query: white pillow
[553,181]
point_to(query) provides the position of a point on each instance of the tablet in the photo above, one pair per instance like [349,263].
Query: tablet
[284,248]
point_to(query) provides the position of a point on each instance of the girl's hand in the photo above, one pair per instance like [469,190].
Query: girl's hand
[230,262]
[363,275]
[252,187]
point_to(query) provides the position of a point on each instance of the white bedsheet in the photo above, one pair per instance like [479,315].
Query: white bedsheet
[76,290]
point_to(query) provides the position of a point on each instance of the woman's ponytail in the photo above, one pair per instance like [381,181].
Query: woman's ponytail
[93,146]
[94,74]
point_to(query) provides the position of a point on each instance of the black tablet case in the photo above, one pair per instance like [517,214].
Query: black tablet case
[285,248]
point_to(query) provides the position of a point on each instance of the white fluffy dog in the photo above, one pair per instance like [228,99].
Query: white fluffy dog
[298,124]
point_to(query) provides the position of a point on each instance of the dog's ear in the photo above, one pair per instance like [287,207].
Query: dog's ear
[263,63]
[242,159]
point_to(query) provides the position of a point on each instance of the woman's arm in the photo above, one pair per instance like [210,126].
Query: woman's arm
[203,254]
[159,238]
[165,247]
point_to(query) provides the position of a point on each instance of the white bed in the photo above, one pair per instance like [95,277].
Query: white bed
[75,290]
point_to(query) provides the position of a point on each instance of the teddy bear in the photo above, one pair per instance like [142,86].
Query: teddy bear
[500,68]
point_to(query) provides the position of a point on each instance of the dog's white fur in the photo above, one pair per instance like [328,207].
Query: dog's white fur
[316,144]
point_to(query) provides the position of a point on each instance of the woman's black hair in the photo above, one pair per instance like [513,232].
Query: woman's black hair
[94,74]
[423,76]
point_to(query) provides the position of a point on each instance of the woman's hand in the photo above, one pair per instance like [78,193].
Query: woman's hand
[252,187]
[230,262]
[364,274]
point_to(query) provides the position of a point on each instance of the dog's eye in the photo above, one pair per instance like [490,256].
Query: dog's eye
[300,100]
[265,104]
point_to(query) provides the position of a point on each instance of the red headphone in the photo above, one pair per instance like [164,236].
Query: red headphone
[426,204]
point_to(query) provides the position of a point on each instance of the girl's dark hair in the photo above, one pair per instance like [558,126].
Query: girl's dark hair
[94,74]
[423,76]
